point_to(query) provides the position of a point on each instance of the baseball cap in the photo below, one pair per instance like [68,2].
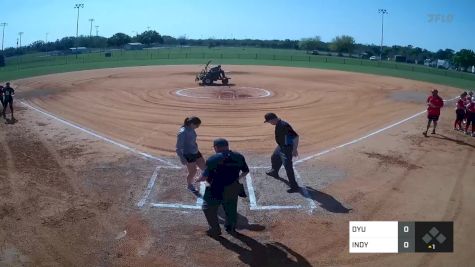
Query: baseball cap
[270,116]
[220,142]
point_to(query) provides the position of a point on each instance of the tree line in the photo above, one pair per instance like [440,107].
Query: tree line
[340,45]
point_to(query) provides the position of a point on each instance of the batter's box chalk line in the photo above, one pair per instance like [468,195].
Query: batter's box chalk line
[199,200]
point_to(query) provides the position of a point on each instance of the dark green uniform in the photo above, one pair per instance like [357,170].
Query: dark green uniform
[223,170]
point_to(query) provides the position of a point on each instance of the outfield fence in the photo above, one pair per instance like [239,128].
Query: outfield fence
[149,56]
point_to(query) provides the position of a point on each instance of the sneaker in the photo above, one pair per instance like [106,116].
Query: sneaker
[231,230]
[273,173]
[424,133]
[192,188]
[213,232]
[433,132]
[293,190]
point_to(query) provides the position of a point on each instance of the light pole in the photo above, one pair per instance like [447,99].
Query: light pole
[78,6]
[20,34]
[46,37]
[382,12]
[90,31]
[97,30]
[3,24]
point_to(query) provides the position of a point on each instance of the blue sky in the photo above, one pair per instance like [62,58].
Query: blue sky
[431,24]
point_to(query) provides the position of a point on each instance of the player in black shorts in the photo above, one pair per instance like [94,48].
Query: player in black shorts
[187,149]
[8,94]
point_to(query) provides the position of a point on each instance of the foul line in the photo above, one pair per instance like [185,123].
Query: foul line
[149,187]
[143,154]
[363,137]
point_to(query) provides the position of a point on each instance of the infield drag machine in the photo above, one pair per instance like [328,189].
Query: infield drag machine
[208,76]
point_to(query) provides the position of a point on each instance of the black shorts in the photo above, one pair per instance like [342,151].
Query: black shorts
[433,117]
[190,158]
[460,114]
[8,100]
[471,117]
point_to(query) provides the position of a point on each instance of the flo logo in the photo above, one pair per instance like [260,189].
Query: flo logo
[440,18]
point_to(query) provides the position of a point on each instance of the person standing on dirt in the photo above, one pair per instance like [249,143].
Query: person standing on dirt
[8,94]
[470,117]
[434,104]
[460,112]
[1,96]
[287,143]
[222,173]
[187,149]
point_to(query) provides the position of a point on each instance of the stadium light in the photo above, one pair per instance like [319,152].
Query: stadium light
[3,24]
[90,31]
[78,6]
[382,12]
[97,30]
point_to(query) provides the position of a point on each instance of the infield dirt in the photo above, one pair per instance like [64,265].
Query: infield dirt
[69,199]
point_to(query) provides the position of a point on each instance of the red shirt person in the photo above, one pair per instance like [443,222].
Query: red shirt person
[460,111]
[470,116]
[434,104]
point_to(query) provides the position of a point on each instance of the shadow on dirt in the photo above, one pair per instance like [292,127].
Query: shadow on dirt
[325,200]
[258,254]
[242,222]
[458,142]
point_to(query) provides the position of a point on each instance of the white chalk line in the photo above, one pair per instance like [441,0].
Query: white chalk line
[363,137]
[250,191]
[310,201]
[199,199]
[175,206]
[180,92]
[90,132]
[150,185]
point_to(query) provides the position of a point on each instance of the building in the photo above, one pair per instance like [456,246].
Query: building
[133,46]
[78,50]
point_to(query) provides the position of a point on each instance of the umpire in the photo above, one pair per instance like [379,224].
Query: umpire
[287,143]
[223,171]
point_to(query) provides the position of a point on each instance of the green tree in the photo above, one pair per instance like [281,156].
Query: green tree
[309,44]
[119,39]
[446,54]
[343,43]
[465,58]
[150,37]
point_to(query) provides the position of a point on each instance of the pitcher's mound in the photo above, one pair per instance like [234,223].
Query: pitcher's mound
[221,92]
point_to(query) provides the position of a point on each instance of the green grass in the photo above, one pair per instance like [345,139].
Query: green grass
[40,64]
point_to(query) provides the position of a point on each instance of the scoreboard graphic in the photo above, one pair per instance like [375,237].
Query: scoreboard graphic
[396,237]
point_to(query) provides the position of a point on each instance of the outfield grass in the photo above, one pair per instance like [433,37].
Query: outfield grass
[40,64]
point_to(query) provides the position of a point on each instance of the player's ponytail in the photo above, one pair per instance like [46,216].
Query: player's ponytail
[191,120]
